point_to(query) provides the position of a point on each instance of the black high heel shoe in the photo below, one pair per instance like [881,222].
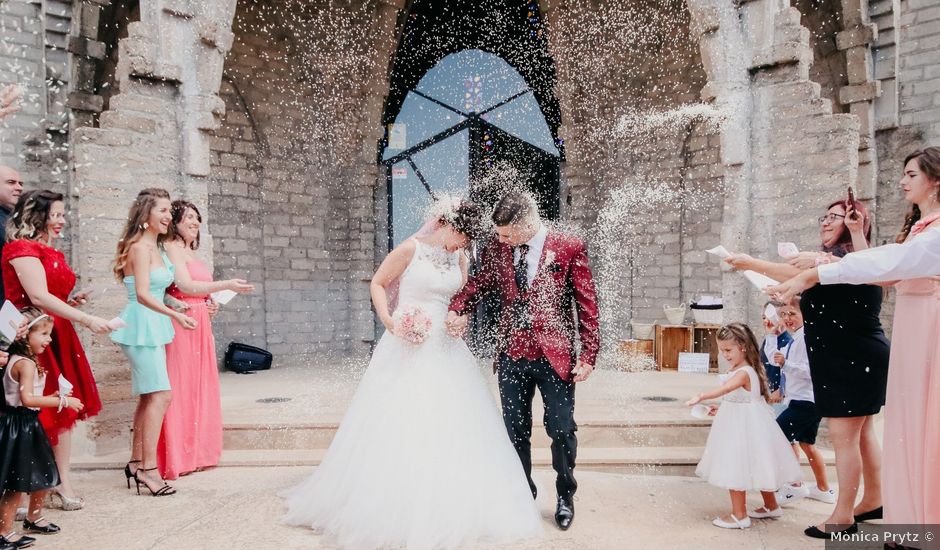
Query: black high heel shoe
[127,471]
[164,491]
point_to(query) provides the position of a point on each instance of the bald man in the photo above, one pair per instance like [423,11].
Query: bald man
[11,186]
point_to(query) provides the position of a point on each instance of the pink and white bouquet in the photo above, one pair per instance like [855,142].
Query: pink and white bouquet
[412,324]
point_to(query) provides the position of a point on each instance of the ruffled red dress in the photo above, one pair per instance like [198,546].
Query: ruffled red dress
[65,354]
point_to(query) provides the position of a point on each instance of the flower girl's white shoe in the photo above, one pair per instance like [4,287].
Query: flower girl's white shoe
[763,512]
[735,524]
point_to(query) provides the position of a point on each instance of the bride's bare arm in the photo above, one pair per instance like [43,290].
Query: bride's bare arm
[391,269]
[464,266]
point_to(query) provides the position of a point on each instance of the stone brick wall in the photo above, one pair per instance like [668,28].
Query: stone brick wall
[918,82]
[919,91]
[235,211]
[292,209]
[920,69]
[823,20]
[22,63]
[666,172]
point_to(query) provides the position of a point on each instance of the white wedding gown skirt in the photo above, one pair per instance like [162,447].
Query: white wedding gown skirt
[422,458]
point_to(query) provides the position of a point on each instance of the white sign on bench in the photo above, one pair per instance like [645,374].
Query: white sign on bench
[694,362]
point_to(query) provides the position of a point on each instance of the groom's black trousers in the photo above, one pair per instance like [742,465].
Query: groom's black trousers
[518,379]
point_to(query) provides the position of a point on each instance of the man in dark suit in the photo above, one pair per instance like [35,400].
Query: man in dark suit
[547,295]
[11,186]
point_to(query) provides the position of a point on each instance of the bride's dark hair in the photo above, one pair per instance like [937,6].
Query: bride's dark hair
[466,219]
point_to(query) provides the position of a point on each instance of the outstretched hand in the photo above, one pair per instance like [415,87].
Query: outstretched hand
[805,260]
[240,286]
[10,100]
[785,291]
[739,261]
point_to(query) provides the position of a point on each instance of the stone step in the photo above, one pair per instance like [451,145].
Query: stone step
[628,460]
[590,434]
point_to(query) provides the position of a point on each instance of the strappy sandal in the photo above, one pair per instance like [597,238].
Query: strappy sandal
[163,491]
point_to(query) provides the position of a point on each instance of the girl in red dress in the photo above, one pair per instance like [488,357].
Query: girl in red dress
[37,275]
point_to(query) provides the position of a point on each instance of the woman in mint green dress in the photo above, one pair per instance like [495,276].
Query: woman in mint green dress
[142,265]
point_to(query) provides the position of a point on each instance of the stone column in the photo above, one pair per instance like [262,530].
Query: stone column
[863,88]
[370,249]
[779,135]
[726,58]
[155,134]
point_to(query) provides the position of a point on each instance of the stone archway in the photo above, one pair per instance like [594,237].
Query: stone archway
[755,60]
[317,236]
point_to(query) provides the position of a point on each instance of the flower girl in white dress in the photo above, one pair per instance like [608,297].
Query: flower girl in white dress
[745,449]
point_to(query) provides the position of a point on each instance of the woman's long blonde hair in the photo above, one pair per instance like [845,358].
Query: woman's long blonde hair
[136,225]
[742,335]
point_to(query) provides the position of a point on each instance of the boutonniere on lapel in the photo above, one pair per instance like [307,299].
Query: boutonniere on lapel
[549,264]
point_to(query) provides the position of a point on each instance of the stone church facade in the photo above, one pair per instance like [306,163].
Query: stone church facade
[268,114]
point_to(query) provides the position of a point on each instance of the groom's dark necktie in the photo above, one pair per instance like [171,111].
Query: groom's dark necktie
[522,283]
[522,269]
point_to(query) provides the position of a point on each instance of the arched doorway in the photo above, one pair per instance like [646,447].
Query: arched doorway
[471,89]
[470,115]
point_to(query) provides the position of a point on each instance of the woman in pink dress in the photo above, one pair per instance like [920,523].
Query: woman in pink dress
[911,468]
[191,438]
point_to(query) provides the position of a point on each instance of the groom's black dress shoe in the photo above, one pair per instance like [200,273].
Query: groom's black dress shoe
[564,513]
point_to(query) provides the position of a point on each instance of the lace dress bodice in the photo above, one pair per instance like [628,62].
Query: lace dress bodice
[430,280]
[741,395]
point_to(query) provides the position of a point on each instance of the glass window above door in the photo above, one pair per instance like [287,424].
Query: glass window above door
[471,81]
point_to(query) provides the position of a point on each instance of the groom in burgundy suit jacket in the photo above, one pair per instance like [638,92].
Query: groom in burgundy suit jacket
[547,295]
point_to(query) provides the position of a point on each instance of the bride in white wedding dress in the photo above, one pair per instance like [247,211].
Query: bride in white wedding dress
[422,458]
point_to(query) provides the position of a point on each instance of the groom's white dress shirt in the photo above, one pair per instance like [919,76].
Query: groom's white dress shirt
[536,245]
[918,257]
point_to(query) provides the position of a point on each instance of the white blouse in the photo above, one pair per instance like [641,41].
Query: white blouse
[918,257]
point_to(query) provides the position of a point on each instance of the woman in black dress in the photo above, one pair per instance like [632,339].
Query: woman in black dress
[848,358]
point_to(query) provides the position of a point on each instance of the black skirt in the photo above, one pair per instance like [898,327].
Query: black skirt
[847,348]
[26,460]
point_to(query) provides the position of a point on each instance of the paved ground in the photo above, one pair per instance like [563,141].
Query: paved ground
[322,394]
[238,508]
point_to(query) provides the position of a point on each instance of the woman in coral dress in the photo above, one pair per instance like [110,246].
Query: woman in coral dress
[37,275]
[191,438]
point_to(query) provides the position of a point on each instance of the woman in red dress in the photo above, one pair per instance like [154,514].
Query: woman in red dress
[37,275]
